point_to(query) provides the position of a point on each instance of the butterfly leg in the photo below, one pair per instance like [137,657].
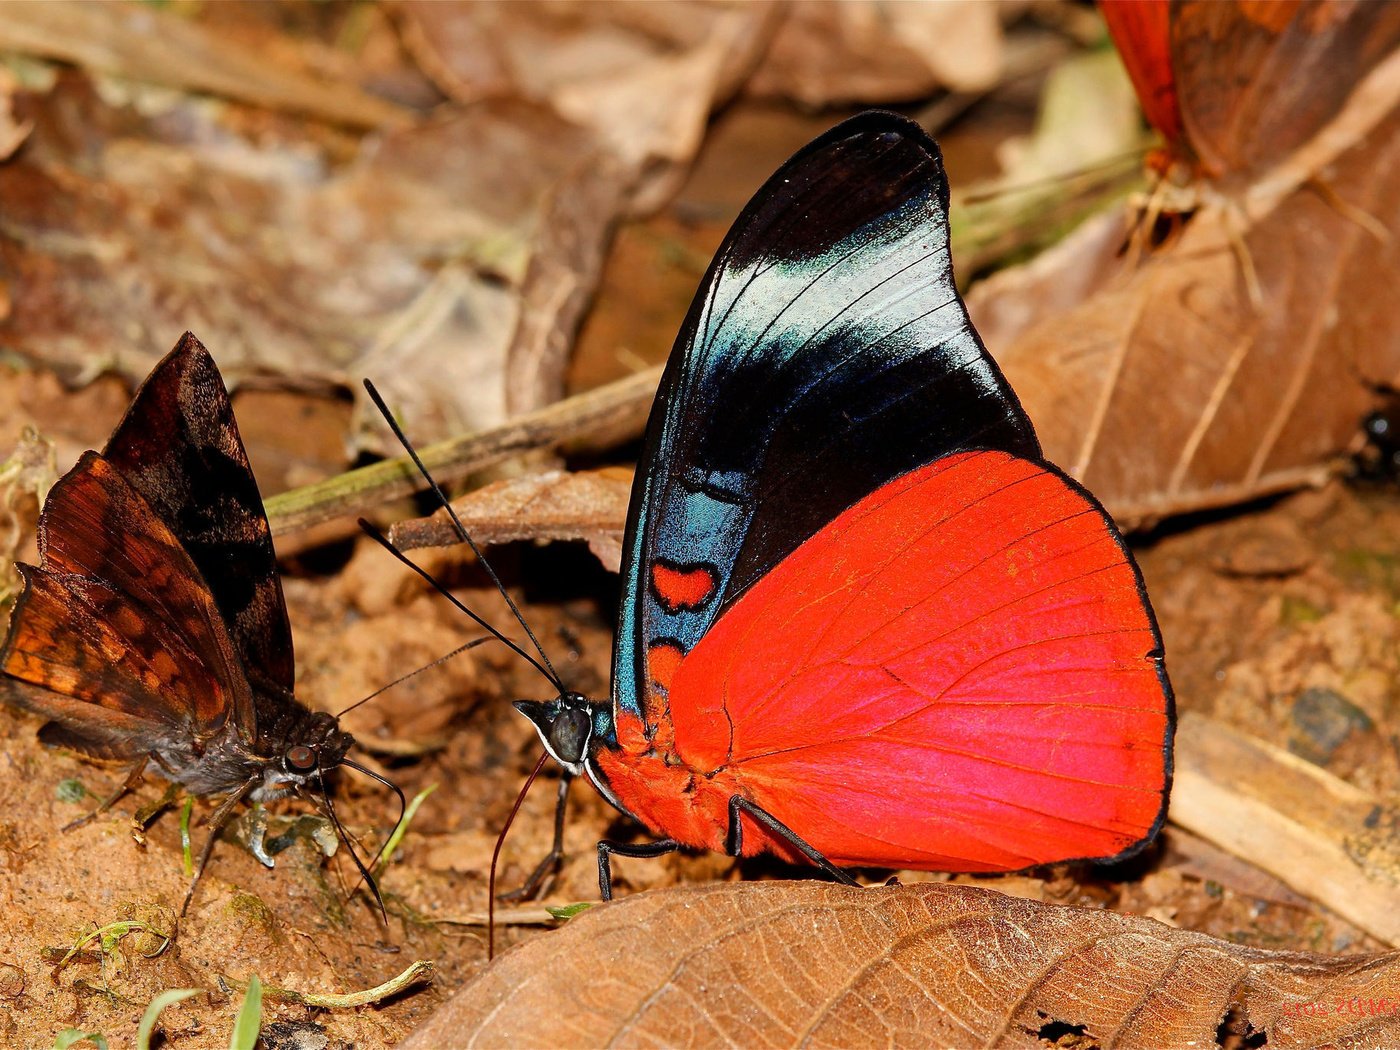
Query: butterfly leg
[734,843]
[607,849]
[144,817]
[133,777]
[257,836]
[556,852]
[217,820]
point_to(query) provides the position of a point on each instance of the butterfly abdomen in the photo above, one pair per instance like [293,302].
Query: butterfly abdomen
[218,766]
[676,801]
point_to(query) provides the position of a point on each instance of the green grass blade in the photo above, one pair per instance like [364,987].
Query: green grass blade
[249,1021]
[401,828]
[185,836]
[71,1036]
[152,1014]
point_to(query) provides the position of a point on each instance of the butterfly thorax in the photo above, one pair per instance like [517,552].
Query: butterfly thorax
[292,746]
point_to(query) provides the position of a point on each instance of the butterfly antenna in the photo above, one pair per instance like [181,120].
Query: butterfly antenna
[403,803]
[460,528]
[375,534]
[495,854]
[349,841]
[426,667]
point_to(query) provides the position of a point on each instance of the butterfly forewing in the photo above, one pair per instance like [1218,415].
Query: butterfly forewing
[116,617]
[826,353]
[178,446]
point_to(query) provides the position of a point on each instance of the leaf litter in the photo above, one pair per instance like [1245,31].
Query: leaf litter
[759,964]
[1308,586]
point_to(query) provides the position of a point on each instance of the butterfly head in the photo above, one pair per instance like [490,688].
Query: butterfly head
[318,745]
[567,726]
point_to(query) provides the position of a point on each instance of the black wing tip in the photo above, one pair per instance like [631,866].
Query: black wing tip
[189,344]
[883,126]
[858,172]
[190,356]
[879,123]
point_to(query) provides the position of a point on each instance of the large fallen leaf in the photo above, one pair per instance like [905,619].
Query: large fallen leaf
[831,51]
[808,964]
[1164,385]
[643,77]
[411,261]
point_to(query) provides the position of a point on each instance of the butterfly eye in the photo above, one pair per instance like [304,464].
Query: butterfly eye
[301,758]
[568,735]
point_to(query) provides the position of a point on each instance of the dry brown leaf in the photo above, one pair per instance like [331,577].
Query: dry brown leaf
[1164,387]
[643,77]
[12,132]
[807,964]
[125,226]
[587,505]
[143,42]
[871,51]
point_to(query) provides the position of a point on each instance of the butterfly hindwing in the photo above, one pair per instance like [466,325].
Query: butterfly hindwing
[826,353]
[83,655]
[958,673]
[179,447]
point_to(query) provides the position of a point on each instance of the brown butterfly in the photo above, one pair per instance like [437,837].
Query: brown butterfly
[154,629]
[1234,87]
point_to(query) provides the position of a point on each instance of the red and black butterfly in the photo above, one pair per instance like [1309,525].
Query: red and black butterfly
[154,629]
[862,620]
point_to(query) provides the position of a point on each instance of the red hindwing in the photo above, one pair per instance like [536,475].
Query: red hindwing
[958,673]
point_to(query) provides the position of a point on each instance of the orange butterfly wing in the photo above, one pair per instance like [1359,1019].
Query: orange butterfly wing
[1237,85]
[959,673]
[117,625]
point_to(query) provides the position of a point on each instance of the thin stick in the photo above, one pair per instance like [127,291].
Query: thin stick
[613,413]
[419,972]
[1311,830]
